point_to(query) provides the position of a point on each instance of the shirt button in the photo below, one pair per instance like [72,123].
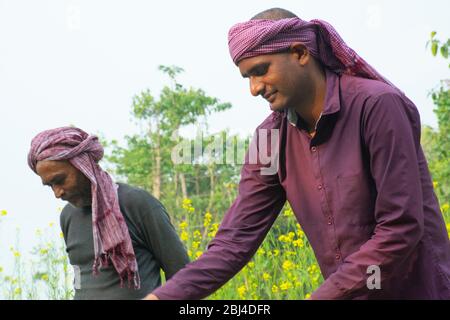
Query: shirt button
[330,221]
[319,187]
[313,149]
[338,256]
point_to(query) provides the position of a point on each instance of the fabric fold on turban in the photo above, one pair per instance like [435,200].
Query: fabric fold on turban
[262,36]
[112,242]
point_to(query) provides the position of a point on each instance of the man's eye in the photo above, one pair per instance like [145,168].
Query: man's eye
[58,182]
[260,71]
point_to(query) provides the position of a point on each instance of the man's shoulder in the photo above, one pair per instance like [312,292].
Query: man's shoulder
[366,88]
[367,95]
[131,196]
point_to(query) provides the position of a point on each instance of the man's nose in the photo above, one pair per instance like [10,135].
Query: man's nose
[256,87]
[58,191]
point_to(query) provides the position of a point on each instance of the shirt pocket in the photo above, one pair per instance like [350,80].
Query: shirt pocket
[355,201]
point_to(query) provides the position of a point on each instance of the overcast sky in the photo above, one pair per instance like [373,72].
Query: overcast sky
[80,62]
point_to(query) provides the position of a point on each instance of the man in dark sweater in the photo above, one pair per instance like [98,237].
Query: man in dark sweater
[113,232]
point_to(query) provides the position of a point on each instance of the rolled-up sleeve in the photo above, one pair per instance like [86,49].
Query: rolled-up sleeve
[242,230]
[391,133]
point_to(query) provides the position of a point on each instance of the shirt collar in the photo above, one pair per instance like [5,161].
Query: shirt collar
[332,102]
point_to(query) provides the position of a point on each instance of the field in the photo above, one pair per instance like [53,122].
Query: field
[284,267]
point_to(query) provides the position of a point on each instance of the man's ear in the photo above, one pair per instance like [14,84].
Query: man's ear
[301,52]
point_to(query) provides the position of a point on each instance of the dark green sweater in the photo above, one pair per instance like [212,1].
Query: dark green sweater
[155,243]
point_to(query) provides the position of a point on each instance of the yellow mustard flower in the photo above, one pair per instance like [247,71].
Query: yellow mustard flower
[274,288]
[241,291]
[17,291]
[207,219]
[3,213]
[187,205]
[213,230]
[195,245]
[183,225]
[298,243]
[44,277]
[300,232]
[308,295]
[288,265]
[312,269]
[288,212]
[285,238]
[197,234]
[198,254]
[184,236]
[266,276]
[285,286]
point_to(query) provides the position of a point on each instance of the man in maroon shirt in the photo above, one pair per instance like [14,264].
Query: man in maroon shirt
[347,158]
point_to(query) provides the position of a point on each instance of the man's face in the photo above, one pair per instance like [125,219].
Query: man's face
[278,78]
[67,182]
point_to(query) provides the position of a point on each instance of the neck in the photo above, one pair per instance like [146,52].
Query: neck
[312,109]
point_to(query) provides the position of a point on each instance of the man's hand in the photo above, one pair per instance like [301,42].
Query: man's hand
[151,297]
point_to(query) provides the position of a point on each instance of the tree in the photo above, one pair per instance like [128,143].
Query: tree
[146,161]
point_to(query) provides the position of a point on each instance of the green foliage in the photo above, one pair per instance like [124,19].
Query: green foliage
[45,275]
[437,142]
[437,45]
[146,160]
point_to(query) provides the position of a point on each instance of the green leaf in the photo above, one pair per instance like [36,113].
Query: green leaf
[444,51]
[434,48]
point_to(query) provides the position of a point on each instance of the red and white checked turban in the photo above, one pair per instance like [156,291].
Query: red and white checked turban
[261,36]
[112,242]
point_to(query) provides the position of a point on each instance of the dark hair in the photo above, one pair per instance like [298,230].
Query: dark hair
[274,14]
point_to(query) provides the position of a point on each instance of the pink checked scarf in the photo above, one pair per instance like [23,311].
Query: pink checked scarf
[112,241]
[261,36]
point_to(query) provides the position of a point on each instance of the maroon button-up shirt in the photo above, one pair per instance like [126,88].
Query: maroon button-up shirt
[361,191]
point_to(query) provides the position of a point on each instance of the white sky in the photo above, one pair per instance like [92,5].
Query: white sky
[80,62]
